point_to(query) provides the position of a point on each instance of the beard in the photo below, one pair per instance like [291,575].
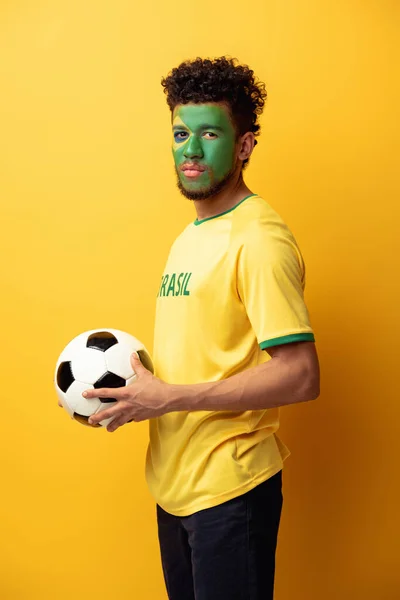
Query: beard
[207,192]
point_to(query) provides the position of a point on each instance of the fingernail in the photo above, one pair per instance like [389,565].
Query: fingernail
[84,394]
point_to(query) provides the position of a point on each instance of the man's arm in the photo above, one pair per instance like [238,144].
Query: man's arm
[292,375]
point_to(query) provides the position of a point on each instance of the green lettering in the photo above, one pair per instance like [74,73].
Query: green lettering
[164,283]
[177,293]
[183,283]
[162,279]
[186,292]
[171,287]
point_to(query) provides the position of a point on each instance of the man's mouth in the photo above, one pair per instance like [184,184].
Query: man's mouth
[192,170]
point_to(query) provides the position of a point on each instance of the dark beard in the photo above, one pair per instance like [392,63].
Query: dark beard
[214,188]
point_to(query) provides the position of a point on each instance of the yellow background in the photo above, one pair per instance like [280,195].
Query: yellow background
[89,208]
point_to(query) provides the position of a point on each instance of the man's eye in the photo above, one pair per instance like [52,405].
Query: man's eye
[210,133]
[180,135]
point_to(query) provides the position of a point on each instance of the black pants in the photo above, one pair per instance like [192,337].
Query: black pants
[226,552]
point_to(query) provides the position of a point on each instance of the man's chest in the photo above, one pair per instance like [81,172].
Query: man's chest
[196,270]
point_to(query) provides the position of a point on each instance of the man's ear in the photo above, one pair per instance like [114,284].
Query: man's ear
[246,145]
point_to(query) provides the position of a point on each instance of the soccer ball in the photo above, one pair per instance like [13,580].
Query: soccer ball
[99,358]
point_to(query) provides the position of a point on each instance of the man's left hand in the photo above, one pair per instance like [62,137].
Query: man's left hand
[147,397]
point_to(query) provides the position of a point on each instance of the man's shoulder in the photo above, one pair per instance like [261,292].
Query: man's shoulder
[259,221]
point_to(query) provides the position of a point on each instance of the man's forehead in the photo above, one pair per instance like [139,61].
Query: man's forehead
[210,111]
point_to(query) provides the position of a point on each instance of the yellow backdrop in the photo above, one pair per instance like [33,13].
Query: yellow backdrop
[89,208]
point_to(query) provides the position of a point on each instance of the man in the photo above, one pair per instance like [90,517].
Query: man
[232,343]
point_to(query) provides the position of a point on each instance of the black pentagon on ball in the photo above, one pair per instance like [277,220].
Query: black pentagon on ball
[145,360]
[84,420]
[101,340]
[64,376]
[109,380]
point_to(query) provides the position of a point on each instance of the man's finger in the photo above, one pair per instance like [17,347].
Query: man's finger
[115,423]
[117,393]
[107,413]
[137,364]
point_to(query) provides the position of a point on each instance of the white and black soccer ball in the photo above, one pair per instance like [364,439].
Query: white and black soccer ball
[99,358]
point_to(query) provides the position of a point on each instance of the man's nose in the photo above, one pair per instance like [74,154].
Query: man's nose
[193,148]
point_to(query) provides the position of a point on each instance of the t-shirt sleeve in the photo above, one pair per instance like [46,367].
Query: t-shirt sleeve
[270,283]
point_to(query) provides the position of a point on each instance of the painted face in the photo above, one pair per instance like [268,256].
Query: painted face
[204,139]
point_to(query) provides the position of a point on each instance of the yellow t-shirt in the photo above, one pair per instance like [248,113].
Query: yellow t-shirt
[232,287]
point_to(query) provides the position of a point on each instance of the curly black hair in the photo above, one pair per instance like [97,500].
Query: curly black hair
[219,80]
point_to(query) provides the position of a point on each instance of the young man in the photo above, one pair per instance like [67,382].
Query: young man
[233,342]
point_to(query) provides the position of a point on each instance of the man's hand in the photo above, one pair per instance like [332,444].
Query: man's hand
[145,398]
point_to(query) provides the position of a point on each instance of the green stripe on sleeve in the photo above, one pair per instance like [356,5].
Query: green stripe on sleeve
[288,339]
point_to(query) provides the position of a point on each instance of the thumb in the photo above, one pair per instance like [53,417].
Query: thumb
[137,364]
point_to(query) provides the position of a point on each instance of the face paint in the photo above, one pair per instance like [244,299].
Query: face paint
[204,137]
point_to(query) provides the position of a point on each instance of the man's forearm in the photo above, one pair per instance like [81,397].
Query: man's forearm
[271,384]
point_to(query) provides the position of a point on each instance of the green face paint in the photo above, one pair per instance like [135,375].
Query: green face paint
[204,137]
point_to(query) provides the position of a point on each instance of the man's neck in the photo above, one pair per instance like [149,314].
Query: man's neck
[223,201]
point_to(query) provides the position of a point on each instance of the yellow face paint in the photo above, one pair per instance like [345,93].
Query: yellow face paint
[178,123]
